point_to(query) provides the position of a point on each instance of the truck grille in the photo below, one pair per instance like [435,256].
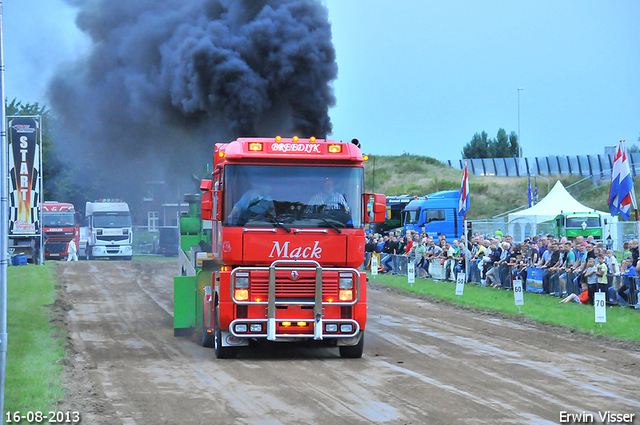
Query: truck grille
[112,238]
[304,287]
[55,247]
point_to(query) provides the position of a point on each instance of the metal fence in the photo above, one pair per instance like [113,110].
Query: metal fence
[575,165]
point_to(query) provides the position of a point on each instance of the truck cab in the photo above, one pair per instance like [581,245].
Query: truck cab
[437,213]
[109,229]
[287,239]
[61,225]
[572,224]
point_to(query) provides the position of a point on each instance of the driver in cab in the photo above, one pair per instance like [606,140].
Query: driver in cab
[328,199]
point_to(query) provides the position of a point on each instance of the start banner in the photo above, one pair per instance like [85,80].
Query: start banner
[25,178]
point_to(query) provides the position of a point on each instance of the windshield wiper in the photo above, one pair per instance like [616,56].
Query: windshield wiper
[278,224]
[330,224]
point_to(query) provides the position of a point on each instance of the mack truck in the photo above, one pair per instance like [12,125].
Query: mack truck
[109,232]
[273,254]
[60,225]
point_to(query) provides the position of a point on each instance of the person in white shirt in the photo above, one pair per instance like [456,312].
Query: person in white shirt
[73,251]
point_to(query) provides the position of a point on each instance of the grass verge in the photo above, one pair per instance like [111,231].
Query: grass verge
[34,346]
[622,323]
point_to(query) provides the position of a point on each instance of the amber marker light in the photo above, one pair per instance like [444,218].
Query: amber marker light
[278,138]
[346,295]
[312,139]
[335,148]
[242,294]
[221,154]
[255,146]
[286,324]
[295,139]
[365,157]
[302,324]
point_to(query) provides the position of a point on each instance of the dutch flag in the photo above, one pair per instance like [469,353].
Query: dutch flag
[621,193]
[463,205]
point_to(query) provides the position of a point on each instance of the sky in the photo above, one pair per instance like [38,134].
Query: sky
[422,77]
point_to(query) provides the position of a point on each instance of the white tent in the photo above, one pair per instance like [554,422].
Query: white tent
[557,201]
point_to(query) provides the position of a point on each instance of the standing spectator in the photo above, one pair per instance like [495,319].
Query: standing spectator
[390,250]
[592,278]
[628,284]
[433,252]
[633,247]
[626,253]
[601,272]
[613,274]
[420,253]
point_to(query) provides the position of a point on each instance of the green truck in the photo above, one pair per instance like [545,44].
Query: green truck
[572,224]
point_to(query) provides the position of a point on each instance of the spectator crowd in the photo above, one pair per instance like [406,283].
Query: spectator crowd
[571,269]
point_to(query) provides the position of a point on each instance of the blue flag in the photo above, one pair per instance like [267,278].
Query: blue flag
[530,193]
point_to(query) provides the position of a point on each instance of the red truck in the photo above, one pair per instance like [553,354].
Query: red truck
[285,218]
[60,226]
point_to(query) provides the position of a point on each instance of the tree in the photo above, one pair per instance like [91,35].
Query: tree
[503,146]
[633,149]
[478,147]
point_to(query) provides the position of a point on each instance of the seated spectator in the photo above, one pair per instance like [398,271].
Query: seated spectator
[583,298]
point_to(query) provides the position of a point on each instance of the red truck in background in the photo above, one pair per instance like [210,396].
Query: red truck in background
[60,225]
[285,220]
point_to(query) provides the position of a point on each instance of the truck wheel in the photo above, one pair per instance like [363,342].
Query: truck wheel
[353,351]
[220,351]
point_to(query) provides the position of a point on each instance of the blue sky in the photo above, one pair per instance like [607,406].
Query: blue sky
[423,76]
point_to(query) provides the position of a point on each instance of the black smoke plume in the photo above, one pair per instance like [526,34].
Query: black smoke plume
[166,79]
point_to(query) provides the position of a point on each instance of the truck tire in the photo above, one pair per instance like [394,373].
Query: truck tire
[220,351]
[353,351]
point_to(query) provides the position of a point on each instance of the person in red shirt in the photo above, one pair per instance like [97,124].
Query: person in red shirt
[583,298]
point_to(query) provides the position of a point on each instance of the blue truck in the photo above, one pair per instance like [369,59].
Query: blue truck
[437,213]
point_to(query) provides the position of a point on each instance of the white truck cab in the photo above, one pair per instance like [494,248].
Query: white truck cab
[109,230]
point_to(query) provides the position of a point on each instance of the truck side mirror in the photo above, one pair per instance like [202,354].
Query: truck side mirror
[209,210]
[378,209]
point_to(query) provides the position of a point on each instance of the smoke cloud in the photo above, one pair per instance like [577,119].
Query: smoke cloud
[166,79]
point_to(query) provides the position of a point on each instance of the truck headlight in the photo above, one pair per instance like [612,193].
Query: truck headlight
[255,327]
[346,328]
[241,327]
[242,280]
[331,327]
[346,281]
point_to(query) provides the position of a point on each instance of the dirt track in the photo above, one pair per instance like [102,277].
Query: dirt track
[424,363]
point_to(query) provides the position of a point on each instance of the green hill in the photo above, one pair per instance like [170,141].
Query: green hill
[490,195]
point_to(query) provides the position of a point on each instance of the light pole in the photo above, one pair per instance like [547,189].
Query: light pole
[519,142]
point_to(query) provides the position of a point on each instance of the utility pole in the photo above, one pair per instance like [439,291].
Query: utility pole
[4,225]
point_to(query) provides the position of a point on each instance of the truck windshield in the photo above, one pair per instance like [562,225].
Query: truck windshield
[58,219]
[293,196]
[106,220]
[576,222]
[412,216]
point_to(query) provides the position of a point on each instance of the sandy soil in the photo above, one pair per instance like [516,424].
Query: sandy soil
[425,362]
